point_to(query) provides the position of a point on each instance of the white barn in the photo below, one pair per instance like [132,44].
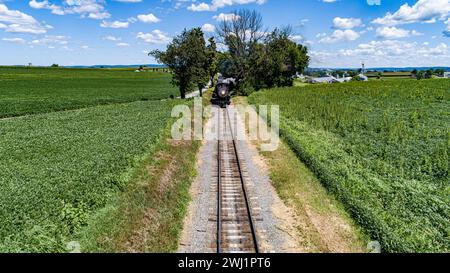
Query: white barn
[344,79]
[363,77]
[330,79]
[327,79]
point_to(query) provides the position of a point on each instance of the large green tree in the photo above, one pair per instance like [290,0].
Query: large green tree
[207,68]
[201,67]
[257,59]
[212,59]
[186,58]
[240,33]
[285,58]
[439,72]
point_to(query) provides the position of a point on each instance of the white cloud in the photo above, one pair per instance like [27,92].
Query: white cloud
[112,38]
[155,37]
[346,23]
[208,28]
[64,48]
[300,39]
[55,9]
[199,7]
[303,22]
[38,5]
[218,4]
[94,9]
[148,18]
[446,32]
[115,24]
[50,40]
[395,48]
[395,33]
[425,11]
[225,17]
[387,53]
[440,50]
[339,36]
[123,44]
[18,22]
[14,40]
[99,15]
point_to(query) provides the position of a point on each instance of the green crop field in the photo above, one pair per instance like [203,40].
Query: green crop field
[390,74]
[56,169]
[39,90]
[382,148]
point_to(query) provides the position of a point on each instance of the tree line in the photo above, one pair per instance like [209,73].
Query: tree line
[254,57]
[428,74]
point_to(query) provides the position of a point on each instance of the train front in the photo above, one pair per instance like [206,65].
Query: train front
[221,96]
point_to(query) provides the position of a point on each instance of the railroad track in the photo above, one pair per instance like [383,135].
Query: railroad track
[235,224]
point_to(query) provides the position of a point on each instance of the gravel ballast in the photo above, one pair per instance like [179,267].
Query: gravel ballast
[273,219]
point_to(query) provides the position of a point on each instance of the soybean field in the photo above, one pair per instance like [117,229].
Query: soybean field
[60,168]
[32,90]
[382,148]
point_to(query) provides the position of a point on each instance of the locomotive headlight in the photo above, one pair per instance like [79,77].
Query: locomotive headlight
[223,92]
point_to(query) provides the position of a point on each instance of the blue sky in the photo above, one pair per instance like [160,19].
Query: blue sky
[339,33]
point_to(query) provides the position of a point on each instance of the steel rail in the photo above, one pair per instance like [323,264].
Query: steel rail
[219,189]
[244,188]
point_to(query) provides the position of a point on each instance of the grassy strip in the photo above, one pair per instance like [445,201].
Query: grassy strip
[382,149]
[26,91]
[148,216]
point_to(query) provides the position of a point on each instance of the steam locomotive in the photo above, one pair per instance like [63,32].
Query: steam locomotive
[222,92]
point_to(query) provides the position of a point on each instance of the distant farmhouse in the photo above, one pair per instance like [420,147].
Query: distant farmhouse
[331,79]
[363,77]
[326,79]
[299,76]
